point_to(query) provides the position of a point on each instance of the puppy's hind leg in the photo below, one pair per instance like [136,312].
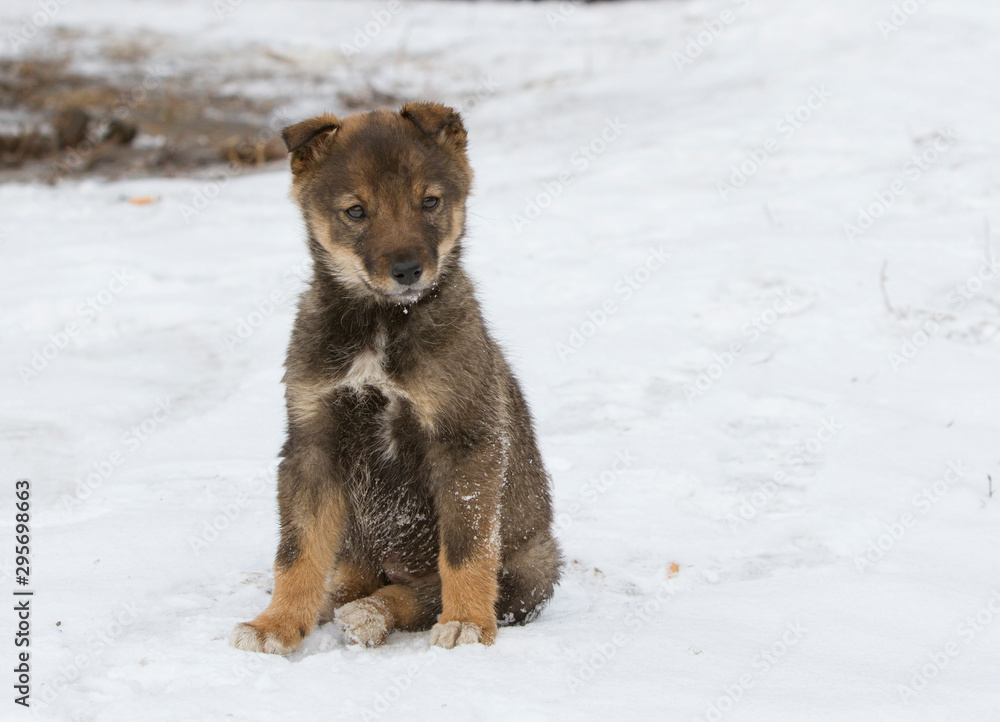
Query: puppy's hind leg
[527,580]
[368,621]
[347,583]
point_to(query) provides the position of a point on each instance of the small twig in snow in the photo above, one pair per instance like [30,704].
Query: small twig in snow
[767,212]
[885,293]
[987,250]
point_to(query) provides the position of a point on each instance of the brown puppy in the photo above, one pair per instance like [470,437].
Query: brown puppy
[411,491]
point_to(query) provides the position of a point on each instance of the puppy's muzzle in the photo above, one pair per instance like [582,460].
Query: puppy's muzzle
[407,272]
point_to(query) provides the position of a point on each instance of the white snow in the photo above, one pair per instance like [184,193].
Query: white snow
[853,412]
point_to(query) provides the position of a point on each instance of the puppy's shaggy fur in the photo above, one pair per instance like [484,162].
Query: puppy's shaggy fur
[411,491]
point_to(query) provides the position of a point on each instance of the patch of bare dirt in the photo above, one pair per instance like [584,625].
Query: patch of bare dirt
[140,120]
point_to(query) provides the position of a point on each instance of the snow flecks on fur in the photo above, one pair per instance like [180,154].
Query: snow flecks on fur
[454,634]
[363,622]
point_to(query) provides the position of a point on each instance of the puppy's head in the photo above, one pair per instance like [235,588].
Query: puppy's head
[384,195]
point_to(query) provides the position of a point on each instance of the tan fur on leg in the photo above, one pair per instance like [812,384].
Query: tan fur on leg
[468,597]
[368,621]
[347,583]
[299,589]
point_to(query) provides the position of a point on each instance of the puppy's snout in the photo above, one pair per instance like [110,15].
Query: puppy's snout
[407,272]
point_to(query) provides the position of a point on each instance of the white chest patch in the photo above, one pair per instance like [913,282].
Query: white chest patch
[367,369]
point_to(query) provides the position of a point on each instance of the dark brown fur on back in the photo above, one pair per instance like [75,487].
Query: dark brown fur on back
[411,490]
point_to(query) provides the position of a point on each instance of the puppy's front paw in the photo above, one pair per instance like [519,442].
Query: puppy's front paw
[452,634]
[263,635]
[363,622]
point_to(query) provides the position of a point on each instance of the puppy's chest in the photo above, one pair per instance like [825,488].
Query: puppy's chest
[368,388]
[375,382]
[368,370]
[411,387]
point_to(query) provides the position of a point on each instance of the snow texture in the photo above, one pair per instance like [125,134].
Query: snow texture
[756,319]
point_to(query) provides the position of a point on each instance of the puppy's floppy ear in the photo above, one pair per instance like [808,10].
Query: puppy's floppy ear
[310,140]
[437,121]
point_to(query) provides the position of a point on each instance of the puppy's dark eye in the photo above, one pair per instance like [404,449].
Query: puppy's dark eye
[356,212]
[430,203]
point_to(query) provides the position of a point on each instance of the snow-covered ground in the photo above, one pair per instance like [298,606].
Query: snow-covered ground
[787,385]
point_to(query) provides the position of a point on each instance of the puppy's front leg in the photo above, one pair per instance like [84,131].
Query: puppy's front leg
[312,516]
[467,496]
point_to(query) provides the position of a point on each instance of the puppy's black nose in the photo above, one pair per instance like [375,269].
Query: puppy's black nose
[407,272]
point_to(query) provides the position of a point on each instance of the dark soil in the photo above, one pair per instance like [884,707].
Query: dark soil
[58,123]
